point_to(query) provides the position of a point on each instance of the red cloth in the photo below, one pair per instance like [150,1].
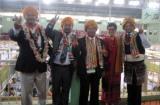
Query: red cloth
[111,80]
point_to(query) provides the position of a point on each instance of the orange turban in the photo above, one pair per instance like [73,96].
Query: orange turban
[128,20]
[67,21]
[30,10]
[90,24]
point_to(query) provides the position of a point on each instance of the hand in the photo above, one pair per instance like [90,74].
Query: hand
[104,52]
[74,42]
[135,53]
[17,22]
[54,20]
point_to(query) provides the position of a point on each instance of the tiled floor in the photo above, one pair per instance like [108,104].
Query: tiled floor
[49,103]
[152,103]
[19,103]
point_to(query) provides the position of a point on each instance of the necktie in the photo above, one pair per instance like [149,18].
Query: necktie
[64,51]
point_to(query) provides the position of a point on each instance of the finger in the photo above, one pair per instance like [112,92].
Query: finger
[57,18]
[15,15]
[21,18]
[56,15]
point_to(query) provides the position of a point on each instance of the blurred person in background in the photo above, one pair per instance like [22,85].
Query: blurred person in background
[8,91]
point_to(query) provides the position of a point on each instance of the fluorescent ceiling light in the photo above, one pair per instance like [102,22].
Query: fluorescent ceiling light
[28,0]
[119,2]
[99,2]
[134,2]
[69,1]
[0,26]
[47,1]
[153,5]
[85,1]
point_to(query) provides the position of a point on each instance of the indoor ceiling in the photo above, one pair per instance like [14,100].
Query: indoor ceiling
[114,8]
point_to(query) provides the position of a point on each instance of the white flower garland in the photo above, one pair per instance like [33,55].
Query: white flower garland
[39,57]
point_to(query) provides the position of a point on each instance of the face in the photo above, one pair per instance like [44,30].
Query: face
[31,19]
[67,28]
[111,30]
[91,32]
[129,27]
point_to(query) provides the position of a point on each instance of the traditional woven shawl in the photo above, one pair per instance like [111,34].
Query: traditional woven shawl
[119,55]
[133,44]
[93,53]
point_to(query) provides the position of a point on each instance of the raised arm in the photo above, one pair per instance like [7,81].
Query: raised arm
[16,33]
[49,29]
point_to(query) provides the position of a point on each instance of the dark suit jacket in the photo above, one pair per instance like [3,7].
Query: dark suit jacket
[80,55]
[26,61]
[55,37]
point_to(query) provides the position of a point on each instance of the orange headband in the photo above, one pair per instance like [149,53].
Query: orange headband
[90,24]
[30,10]
[128,20]
[67,21]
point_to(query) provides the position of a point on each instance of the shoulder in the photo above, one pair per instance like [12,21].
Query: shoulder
[137,35]
[57,33]
[106,39]
[81,39]
[119,37]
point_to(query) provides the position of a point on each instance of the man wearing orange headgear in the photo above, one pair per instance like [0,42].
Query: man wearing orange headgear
[90,59]
[31,61]
[62,59]
[134,67]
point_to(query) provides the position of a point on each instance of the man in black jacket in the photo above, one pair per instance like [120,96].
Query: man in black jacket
[33,47]
[62,59]
[90,63]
